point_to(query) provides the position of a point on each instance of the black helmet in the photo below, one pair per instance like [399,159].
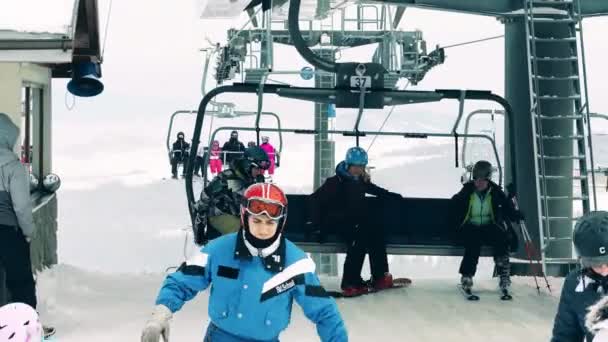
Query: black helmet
[253,157]
[180,135]
[591,238]
[482,170]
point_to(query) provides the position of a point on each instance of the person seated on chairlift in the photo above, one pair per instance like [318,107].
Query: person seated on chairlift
[339,206]
[215,158]
[233,149]
[217,210]
[179,154]
[272,153]
[483,214]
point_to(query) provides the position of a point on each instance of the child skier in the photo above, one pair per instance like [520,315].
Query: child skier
[271,152]
[254,274]
[215,161]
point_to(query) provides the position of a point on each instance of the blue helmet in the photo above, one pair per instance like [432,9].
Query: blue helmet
[356,156]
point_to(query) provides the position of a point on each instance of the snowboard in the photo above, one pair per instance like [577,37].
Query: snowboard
[398,283]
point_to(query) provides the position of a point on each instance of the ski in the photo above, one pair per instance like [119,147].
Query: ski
[467,293]
[505,295]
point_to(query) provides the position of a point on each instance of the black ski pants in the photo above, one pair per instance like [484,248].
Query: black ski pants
[473,237]
[198,165]
[363,239]
[178,158]
[15,259]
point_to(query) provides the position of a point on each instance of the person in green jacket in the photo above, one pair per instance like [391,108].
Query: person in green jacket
[483,214]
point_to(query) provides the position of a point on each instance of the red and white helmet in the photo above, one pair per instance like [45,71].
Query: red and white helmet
[264,198]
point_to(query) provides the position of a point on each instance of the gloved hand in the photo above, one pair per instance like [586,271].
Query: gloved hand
[157,325]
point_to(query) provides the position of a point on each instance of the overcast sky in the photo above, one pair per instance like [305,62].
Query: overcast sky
[153,66]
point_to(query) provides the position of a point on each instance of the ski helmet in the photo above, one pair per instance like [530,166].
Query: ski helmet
[20,322]
[253,157]
[356,156]
[263,199]
[482,170]
[265,139]
[180,135]
[51,182]
[591,238]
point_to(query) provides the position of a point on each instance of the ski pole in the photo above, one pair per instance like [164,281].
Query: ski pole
[530,249]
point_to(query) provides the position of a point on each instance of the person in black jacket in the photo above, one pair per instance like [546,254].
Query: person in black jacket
[483,214]
[586,286]
[179,154]
[233,149]
[339,206]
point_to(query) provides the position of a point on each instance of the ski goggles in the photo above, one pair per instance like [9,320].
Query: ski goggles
[274,210]
[264,165]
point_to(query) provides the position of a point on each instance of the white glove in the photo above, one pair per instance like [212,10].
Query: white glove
[157,325]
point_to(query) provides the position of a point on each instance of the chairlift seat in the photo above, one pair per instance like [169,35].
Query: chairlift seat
[412,226]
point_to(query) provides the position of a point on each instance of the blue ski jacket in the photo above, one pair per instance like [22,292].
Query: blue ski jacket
[251,296]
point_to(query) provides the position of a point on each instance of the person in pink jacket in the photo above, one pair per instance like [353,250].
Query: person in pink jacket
[215,160]
[271,152]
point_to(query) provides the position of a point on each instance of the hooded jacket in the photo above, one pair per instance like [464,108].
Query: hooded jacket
[15,202]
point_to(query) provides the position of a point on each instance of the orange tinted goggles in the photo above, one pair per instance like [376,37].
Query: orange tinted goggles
[258,207]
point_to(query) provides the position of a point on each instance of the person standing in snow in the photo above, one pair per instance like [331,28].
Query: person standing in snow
[16,220]
[218,209]
[484,214]
[585,286]
[255,275]
[179,154]
[271,152]
[233,148]
[339,206]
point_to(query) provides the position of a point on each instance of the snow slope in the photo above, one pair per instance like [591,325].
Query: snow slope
[90,306]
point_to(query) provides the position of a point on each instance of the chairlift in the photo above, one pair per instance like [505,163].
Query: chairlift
[413,226]
[468,166]
[221,114]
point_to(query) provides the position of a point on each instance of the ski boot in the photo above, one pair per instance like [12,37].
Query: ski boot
[466,282]
[356,290]
[385,282]
[504,284]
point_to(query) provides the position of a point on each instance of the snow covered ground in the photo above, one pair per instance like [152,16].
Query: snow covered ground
[91,306]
